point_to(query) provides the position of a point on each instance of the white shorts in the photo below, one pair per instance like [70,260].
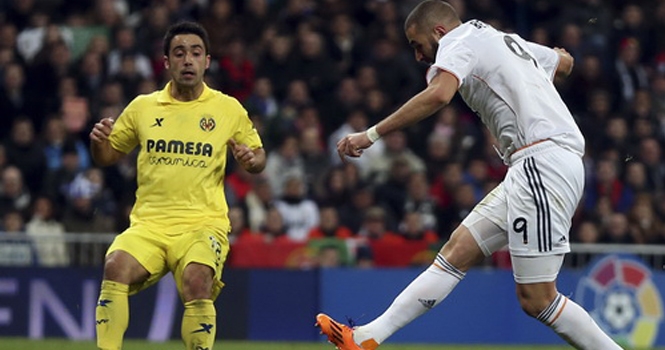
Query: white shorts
[531,210]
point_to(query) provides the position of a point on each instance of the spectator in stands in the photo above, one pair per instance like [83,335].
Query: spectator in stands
[636,178]
[16,248]
[608,184]
[315,158]
[222,24]
[598,112]
[395,148]
[90,206]
[255,20]
[262,100]
[257,202]
[658,92]
[463,201]
[154,22]
[128,76]
[297,97]
[632,24]
[47,234]
[15,101]
[125,47]
[589,77]
[329,256]
[273,229]
[24,151]
[300,214]
[617,230]
[284,162]
[367,79]
[375,228]
[91,75]
[616,136]
[398,79]
[277,65]
[239,229]
[438,155]
[352,213]
[419,200]
[236,71]
[56,140]
[650,153]
[629,73]
[57,180]
[14,195]
[356,120]
[239,182]
[329,225]
[333,188]
[587,232]
[345,43]
[393,191]
[413,228]
[644,223]
[376,103]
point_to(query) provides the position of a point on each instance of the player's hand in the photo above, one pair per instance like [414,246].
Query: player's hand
[101,131]
[353,145]
[243,154]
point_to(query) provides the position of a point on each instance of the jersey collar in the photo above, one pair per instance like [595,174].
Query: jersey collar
[164,95]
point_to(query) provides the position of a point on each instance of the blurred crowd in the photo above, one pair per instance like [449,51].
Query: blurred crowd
[309,72]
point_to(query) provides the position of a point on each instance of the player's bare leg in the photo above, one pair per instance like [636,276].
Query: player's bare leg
[199,320]
[456,257]
[112,312]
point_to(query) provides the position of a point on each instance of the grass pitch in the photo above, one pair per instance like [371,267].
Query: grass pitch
[60,344]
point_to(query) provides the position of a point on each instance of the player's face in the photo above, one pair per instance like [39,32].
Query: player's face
[187,60]
[424,45]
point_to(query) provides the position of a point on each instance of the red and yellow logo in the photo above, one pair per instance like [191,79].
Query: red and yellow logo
[207,123]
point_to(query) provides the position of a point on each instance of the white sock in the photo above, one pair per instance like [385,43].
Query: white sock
[572,323]
[424,293]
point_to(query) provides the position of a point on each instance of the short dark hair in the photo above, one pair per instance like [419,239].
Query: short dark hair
[185,28]
[430,12]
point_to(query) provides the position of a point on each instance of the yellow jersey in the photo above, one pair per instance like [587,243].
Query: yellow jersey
[182,157]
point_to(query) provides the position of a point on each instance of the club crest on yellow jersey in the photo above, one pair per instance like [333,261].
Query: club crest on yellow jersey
[207,123]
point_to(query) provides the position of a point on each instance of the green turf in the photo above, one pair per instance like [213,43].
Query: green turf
[59,344]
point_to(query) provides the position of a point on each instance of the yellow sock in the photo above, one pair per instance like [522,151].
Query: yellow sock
[198,324]
[112,315]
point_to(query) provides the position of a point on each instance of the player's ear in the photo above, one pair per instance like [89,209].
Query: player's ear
[440,31]
[207,61]
[166,62]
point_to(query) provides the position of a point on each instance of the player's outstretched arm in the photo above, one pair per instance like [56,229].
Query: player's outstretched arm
[438,93]
[100,148]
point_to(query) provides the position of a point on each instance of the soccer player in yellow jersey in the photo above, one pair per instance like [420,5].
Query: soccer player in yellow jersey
[179,222]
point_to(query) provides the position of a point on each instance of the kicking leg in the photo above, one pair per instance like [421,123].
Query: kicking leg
[426,291]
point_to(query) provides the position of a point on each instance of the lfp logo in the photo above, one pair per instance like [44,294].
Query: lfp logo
[624,301]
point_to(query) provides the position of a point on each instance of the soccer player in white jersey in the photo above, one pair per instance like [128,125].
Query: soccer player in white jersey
[508,82]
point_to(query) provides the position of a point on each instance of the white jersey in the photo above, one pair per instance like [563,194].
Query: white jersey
[507,81]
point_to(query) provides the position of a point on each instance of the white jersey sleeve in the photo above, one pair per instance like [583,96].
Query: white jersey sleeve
[547,57]
[460,65]
[507,81]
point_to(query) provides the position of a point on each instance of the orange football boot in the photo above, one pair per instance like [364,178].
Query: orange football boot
[342,335]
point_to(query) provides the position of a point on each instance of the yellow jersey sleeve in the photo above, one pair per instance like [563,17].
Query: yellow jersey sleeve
[124,136]
[246,133]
